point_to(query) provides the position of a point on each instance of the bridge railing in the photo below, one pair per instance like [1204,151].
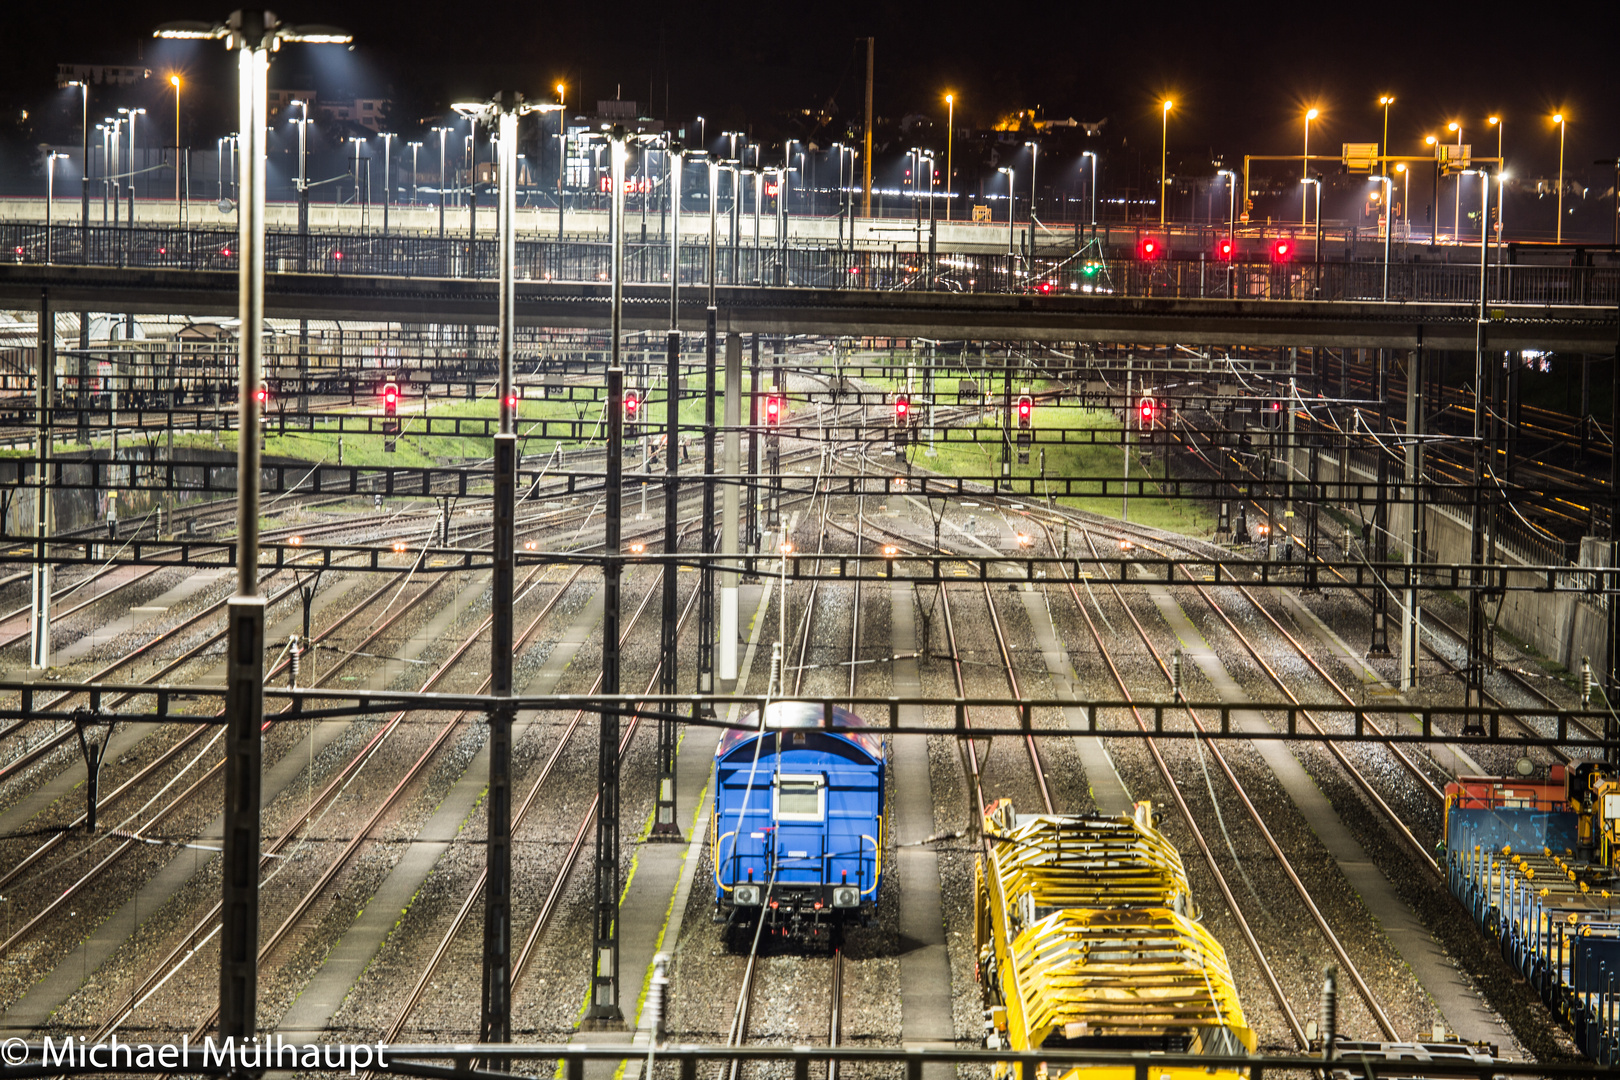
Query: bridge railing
[816,266]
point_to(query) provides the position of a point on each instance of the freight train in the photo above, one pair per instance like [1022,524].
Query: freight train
[1535,858]
[797,832]
[1087,939]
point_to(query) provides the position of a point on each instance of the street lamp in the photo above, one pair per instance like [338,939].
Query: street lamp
[1558,118]
[1305,163]
[1386,101]
[1164,157]
[442,132]
[1406,199]
[1034,161]
[50,196]
[1456,211]
[387,138]
[950,134]
[1231,223]
[1389,224]
[84,179]
[1434,213]
[252,35]
[174,81]
[358,142]
[1316,182]
[1093,156]
[416,158]
[132,114]
[1010,201]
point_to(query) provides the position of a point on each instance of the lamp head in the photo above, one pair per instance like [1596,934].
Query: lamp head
[174,81]
[1387,100]
[1430,140]
[1168,105]
[1453,126]
[1311,114]
[1400,167]
[1558,118]
[1494,120]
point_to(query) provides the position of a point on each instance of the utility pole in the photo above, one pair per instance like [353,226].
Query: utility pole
[705,655]
[253,35]
[664,825]
[1478,628]
[39,622]
[730,543]
[495,1025]
[1414,537]
[603,1009]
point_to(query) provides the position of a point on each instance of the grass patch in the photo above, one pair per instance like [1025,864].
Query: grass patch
[1074,459]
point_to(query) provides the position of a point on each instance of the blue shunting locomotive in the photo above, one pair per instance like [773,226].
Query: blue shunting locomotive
[797,833]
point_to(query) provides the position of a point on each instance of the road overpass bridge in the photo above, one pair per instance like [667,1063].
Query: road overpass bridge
[796,310]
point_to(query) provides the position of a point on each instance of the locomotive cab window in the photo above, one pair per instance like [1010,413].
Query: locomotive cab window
[800,798]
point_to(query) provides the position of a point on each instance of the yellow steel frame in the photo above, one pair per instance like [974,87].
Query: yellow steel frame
[1087,927]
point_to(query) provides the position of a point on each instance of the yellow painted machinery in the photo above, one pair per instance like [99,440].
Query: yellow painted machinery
[1086,940]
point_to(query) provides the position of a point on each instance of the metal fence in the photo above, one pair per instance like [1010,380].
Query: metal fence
[818,266]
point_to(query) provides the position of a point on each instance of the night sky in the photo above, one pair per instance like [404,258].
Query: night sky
[1241,75]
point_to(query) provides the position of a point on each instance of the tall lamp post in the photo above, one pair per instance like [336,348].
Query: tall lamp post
[1434,207]
[1501,179]
[1092,154]
[1010,202]
[252,35]
[950,174]
[416,167]
[1316,182]
[1389,222]
[1034,162]
[1406,199]
[1231,226]
[387,138]
[1305,167]
[1164,156]
[1558,236]
[1383,148]
[1456,210]
[50,196]
[174,81]
[131,114]
[442,132]
[84,179]
[495,1024]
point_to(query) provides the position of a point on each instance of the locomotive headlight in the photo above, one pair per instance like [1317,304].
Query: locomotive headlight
[746,895]
[845,896]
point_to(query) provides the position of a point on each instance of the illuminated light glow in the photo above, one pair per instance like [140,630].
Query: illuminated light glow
[295,541]
[337,254]
[1311,114]
[511,401]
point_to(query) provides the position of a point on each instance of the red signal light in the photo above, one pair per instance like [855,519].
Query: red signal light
[902,408]
[1282,250]
[1145,411]
[511,401]
[773,410]
[1149,248]
[390,398]
[1026,408]
[632,403]
[1225,249]
[261,395]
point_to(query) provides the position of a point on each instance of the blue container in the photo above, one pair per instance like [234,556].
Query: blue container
[797,831]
